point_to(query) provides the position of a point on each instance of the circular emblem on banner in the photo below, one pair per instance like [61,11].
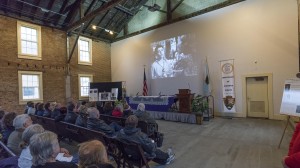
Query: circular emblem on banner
[227,68]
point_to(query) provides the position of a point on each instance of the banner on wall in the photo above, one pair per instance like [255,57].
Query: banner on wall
[227,67]
[93,95]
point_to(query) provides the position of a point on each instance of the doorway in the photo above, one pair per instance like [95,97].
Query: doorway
[258,96]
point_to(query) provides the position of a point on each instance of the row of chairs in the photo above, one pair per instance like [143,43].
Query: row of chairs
[115,148]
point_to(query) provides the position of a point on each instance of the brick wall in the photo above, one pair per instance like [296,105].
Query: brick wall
[53,65]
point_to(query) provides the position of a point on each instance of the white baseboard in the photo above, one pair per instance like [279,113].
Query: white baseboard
[244,115]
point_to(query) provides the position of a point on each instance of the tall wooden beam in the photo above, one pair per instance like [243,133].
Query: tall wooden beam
[93,14]
[169,11]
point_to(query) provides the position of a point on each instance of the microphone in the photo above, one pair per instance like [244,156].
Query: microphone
[159,94]
[137,93]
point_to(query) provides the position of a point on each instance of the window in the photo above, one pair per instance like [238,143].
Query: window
[29,41]
[30,86]
[84,84]
[84,51]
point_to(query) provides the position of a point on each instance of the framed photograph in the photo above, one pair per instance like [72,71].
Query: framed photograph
[114,93]
[104,96]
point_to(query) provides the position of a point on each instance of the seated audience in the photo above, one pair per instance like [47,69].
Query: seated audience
[48,110]
[44,148]
[127,111]
[107,108]
[7,125]
[132,134]
[56,109]
[93,154]
[143,115]
[40,109]
[95,123]
[20,123]
[25,159]
[118,111]
[292,160]
[82,117]
[71,115]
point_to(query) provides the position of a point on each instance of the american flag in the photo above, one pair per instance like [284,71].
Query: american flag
[145,88]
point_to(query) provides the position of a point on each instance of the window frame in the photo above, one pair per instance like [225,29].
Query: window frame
[39,41]
[90,51]
[79,84]
[40,77]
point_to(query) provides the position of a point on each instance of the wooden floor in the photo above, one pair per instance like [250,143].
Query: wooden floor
[226,143]
[223,143]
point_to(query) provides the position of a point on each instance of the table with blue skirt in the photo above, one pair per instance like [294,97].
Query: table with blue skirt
[152,103]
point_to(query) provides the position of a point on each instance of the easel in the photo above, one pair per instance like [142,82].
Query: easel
[287,122]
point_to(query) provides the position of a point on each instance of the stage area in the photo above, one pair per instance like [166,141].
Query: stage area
[174,116]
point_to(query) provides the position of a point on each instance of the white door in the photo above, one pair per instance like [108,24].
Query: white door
[257,97]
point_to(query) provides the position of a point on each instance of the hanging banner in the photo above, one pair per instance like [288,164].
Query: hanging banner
[227,68]
[93,95]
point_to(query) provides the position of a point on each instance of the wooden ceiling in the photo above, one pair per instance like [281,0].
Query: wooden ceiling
[79,16]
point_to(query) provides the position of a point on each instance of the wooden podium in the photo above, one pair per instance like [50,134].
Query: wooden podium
[185,100]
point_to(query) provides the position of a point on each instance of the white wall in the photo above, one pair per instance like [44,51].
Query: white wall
[265,31]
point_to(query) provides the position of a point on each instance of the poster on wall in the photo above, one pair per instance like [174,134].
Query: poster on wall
[93,95]
[290,104]
[227,68]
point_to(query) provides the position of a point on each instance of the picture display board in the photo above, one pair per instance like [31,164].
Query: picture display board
[290,104]
[109,87]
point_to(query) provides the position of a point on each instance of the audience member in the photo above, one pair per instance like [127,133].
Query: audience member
[143,115]
[36,107]
[40,109]
[93,154]
[82,117]
[20,123]
[28,104]
[7,125]
[71,115]
[56,109]
[48,110]
[127,111]
[62,114]
[132,134]
[118,111]
[25,159]
[292,160]
[95,123]
[107,108]
[44,148]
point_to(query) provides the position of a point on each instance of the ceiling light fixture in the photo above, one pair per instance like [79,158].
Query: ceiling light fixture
[106,30]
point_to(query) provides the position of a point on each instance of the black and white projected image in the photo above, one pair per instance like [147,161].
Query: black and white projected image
[174,57]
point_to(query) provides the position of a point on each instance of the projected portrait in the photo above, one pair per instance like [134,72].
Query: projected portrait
[174,57]
[161,67]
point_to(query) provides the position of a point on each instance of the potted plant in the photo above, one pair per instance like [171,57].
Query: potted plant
[199,105]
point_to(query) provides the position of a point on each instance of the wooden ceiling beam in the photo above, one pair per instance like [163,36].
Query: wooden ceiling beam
[121,8]
[93,14]
[100,21]
[176,6]
[60,11]
[89,8]
[72,13]
[34,9]
[49,7]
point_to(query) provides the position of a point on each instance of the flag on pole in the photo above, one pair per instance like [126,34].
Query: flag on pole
[207,82]
[145,88]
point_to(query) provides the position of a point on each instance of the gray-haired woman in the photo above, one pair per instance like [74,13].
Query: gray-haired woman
[44,148]
[25,159]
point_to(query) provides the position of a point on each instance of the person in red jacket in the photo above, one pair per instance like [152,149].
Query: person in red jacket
[292,160]
[118,111]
